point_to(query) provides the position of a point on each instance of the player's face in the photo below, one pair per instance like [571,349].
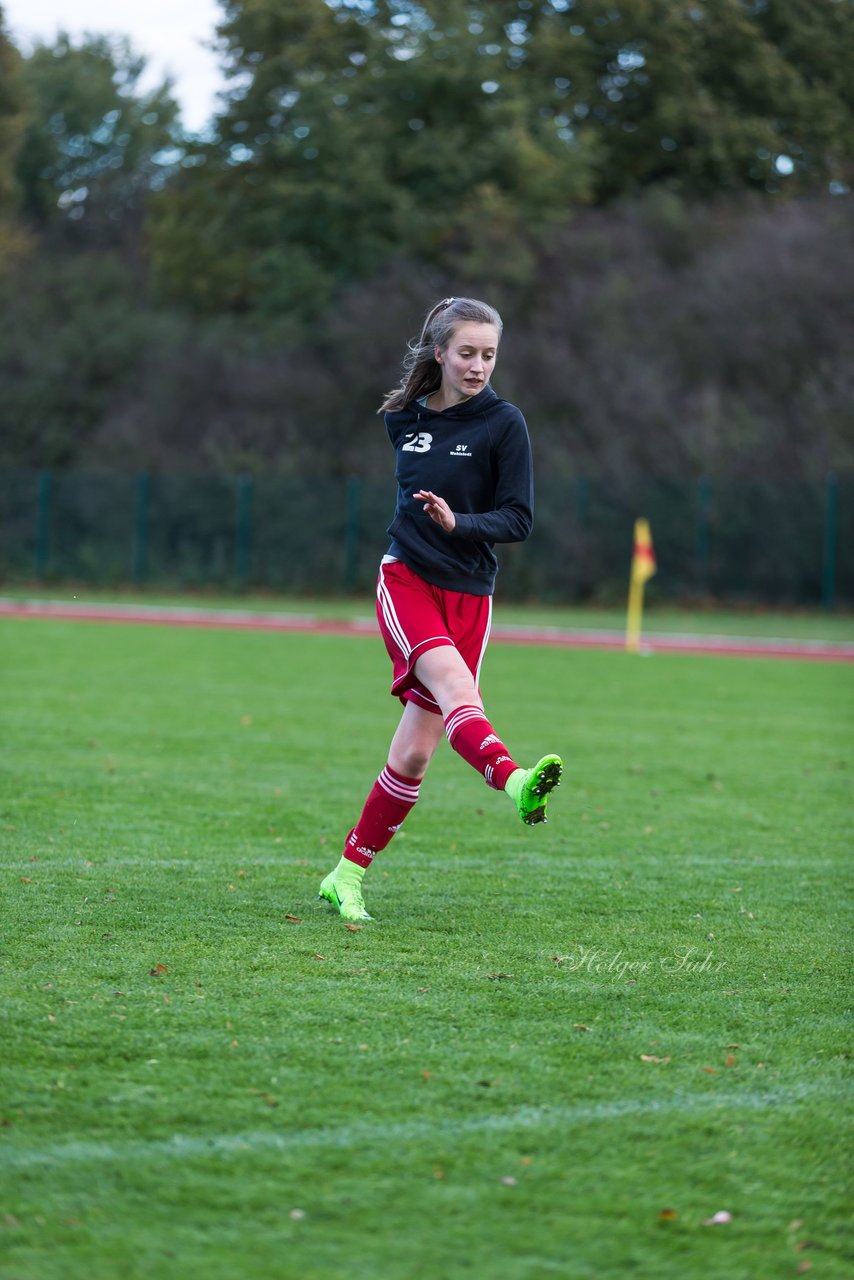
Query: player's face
[467,361]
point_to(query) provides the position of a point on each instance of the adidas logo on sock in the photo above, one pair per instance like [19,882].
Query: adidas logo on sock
[487,742]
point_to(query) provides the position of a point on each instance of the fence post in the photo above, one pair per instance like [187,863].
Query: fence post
[43,523]
[243,531]
[351,533]
[704,506]
[831,527]
[140,537]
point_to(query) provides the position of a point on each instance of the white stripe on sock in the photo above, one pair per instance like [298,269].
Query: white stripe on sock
[398,790]
[463,716]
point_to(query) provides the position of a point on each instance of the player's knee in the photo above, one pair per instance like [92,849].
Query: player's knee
[411,756]
[413,761]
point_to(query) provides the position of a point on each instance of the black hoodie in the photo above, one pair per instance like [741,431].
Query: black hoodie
[477,456]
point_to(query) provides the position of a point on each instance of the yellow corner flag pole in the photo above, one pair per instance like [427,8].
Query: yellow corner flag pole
[643,567]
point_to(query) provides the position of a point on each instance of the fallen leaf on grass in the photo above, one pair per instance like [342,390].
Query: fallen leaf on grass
[650,1057]
[730,1060]
[318,956]
[158,969]
[353,928]
[508,1182]
[710,1071]
[499,977]
[803,1267]
[265,1097]
[719,1219]
[668,1215]
[294,919]
[297,1214]
[579,1026]
[559,959]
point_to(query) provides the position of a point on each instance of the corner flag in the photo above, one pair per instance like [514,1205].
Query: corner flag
[643,567]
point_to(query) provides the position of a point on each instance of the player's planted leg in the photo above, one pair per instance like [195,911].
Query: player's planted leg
[343,889]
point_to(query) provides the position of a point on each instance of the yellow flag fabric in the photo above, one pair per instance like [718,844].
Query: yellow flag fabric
[643,559]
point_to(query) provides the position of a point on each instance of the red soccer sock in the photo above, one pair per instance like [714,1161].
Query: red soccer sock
[473,737]
[389,801]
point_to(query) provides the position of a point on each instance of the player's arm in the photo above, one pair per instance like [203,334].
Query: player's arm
[512,517]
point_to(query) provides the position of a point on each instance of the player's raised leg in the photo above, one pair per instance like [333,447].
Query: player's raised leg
[473,737]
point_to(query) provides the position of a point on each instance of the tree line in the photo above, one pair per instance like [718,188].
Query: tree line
[656,194]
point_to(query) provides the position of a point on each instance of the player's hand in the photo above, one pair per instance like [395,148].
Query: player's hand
[437,509]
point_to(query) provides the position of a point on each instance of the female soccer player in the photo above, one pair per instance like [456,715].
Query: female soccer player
[464,483]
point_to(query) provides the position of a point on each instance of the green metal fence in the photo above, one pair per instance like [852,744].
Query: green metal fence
[723,539]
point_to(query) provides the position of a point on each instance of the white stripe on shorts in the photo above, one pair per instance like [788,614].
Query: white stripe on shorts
[390,617]
[485,642]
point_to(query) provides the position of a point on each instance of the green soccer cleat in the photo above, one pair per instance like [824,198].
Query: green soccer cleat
[344,891]
[529,788]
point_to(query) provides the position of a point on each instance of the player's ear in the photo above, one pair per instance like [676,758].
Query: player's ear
[437,354]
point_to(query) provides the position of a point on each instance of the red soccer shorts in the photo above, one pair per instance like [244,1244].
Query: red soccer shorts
[415,617]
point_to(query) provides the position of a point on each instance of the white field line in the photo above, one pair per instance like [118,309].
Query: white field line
[362,1135]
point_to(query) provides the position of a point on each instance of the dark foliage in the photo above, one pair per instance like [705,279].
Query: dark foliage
[651,338]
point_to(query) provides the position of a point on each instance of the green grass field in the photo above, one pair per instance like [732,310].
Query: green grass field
[559,1051]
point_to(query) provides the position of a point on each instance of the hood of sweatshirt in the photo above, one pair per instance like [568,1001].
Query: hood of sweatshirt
[482,402]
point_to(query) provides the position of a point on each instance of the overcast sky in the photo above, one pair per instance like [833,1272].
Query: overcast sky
[171,33]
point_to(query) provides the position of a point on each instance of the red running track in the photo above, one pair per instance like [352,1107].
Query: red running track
[559,637]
